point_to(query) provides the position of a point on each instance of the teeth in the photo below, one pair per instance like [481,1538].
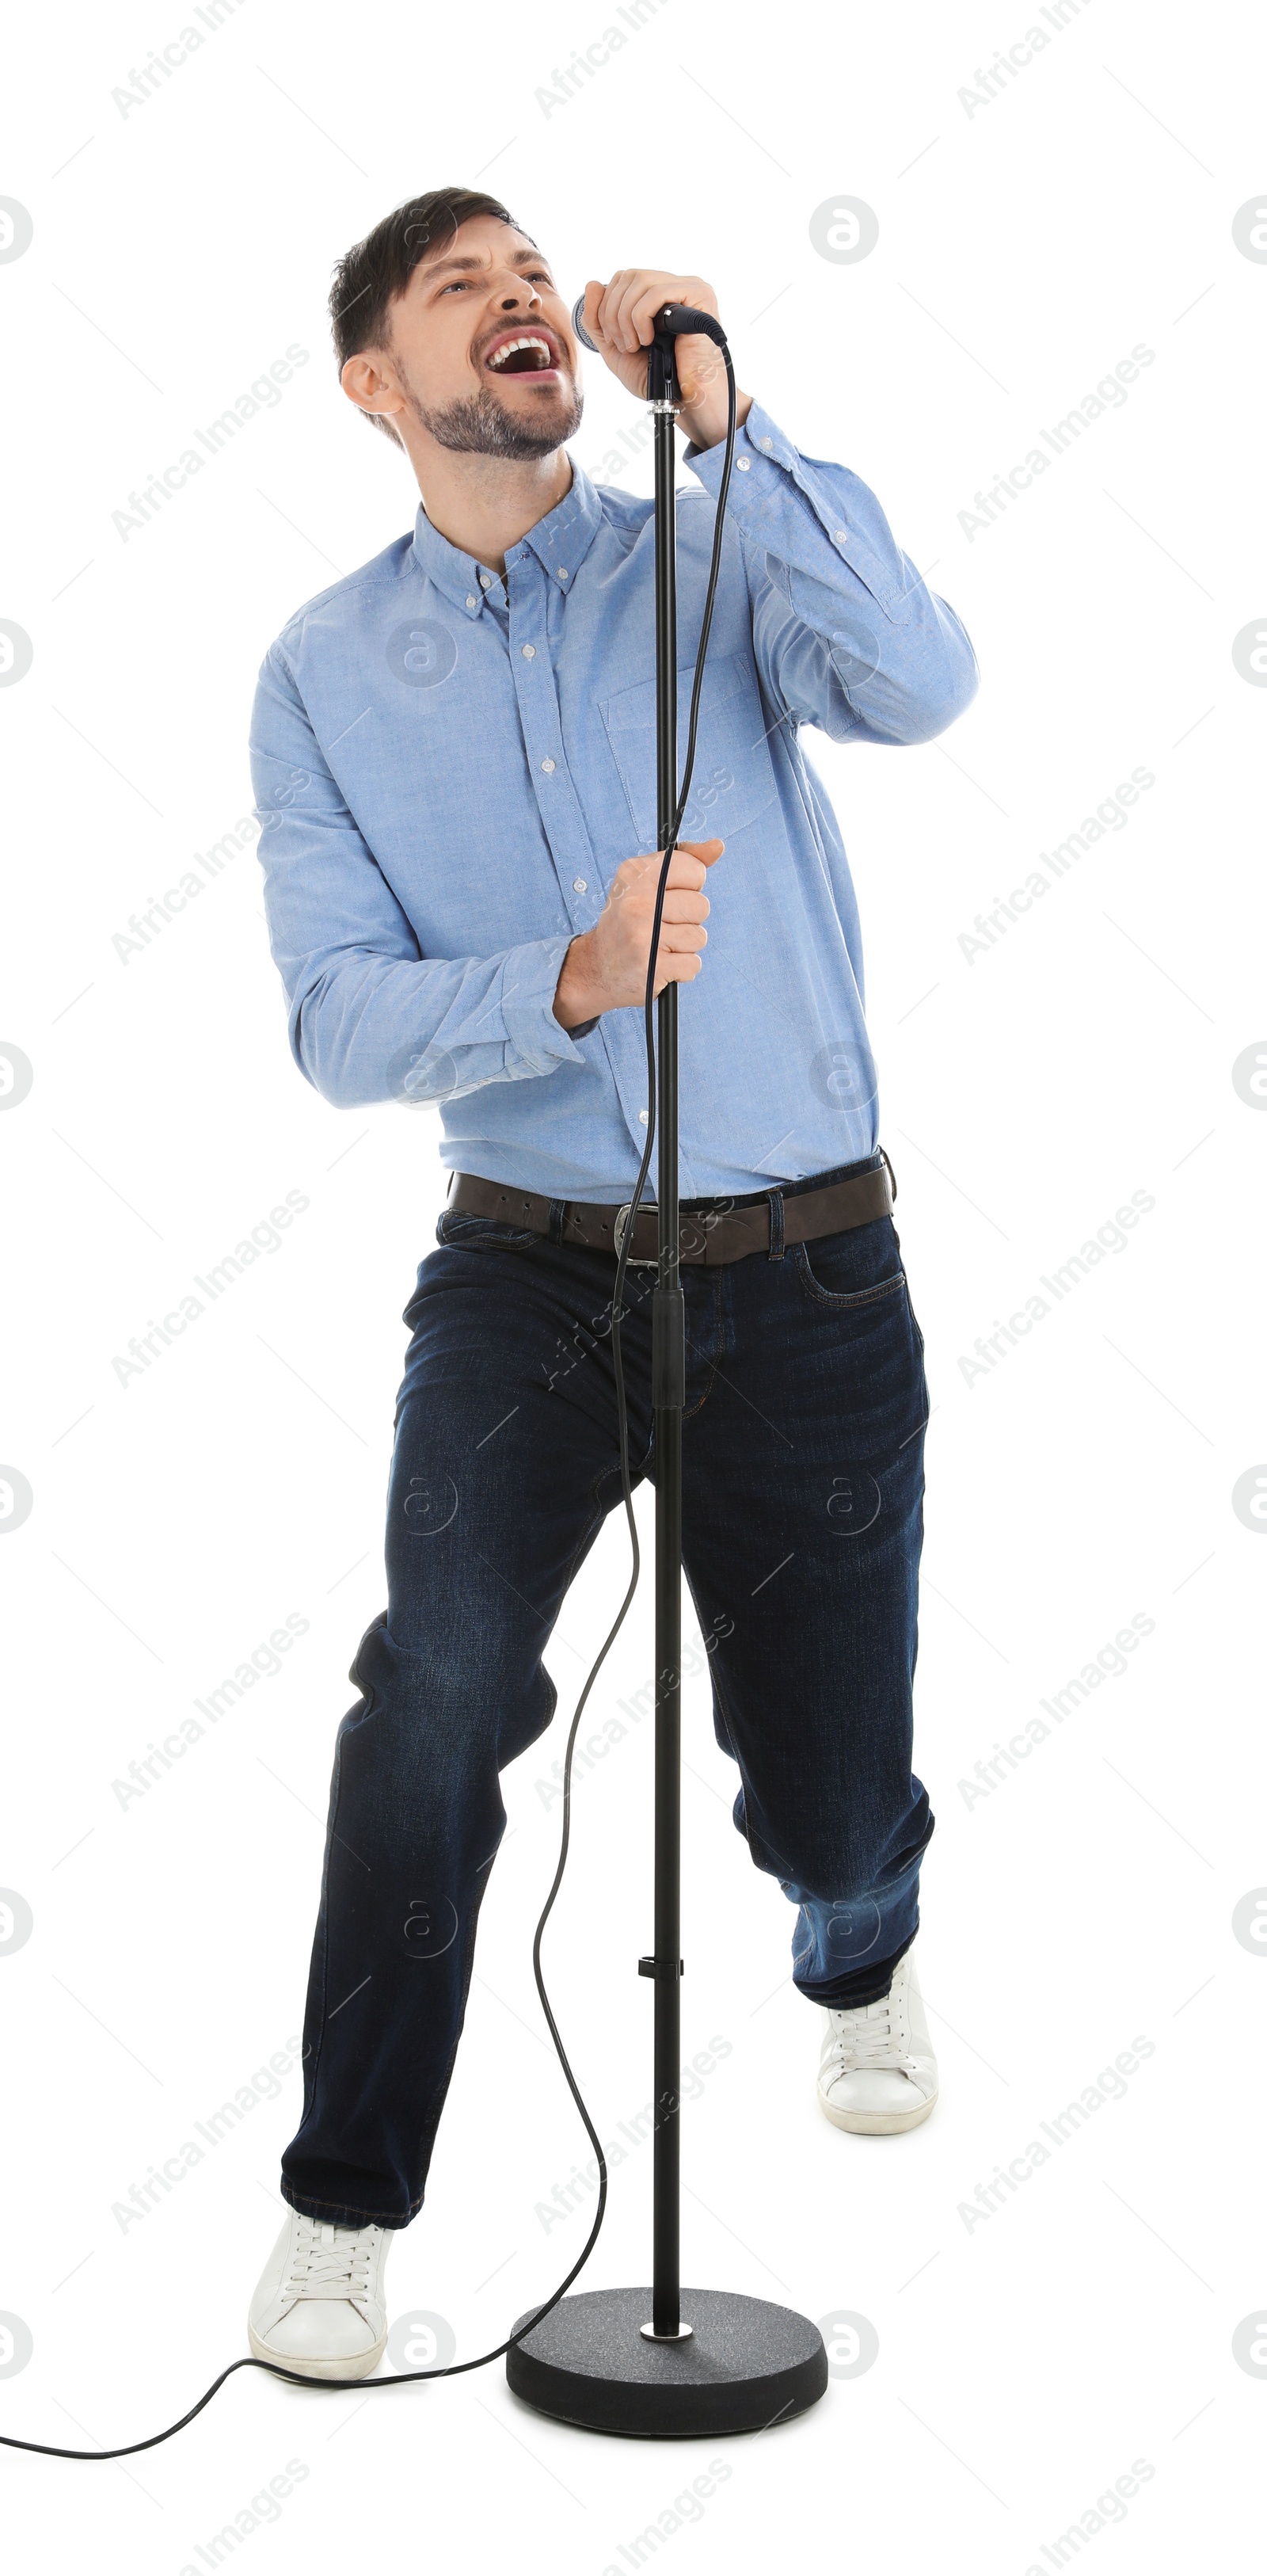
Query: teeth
[508,347]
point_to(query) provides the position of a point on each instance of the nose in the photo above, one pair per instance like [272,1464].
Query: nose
[510,301]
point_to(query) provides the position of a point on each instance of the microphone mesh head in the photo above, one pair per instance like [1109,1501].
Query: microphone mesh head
[578,325]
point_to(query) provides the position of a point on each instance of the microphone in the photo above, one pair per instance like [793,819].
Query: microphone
[671,322]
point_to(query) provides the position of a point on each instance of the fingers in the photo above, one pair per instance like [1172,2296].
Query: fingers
[602,314]
[685,908]
[639,306]
[683,937]
[629,303]
[601,306]
[688,869]
[690,864]
[674,966]
[626,291]
[590,311]
[683,904]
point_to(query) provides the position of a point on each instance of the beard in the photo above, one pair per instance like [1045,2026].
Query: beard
[482,425]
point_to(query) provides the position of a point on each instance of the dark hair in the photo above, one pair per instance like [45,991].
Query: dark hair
[380,267]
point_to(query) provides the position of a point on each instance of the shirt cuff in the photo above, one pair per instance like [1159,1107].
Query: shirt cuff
[759,434]
[530,980]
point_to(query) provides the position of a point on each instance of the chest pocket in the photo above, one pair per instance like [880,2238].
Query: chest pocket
[733,779]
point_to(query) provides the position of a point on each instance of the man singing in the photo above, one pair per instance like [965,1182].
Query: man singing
[454,759]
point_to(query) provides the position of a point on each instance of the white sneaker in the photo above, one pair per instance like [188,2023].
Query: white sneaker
[878,2072]
[319,2306]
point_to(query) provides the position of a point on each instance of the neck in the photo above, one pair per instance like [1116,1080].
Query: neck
[484,504]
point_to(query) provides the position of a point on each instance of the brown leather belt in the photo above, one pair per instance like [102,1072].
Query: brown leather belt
[712,1230]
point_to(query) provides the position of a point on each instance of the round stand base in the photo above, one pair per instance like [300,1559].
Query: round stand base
[745,2366]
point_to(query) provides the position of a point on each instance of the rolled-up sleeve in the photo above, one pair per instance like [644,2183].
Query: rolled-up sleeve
[371,1018]
[847,634]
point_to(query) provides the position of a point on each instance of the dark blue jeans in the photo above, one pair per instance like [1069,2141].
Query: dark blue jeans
[802,1453]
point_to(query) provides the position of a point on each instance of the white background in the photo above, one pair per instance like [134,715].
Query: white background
[1024,2361]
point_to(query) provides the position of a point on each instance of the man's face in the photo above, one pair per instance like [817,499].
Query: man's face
[482,346]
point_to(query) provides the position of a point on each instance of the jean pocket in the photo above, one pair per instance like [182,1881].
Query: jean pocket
[861,1267]
[460,1233]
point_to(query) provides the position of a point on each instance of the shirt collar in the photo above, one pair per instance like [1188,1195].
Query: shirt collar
[560,543]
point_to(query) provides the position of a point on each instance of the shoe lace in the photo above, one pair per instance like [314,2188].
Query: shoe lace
[866,2036]
[331,2262]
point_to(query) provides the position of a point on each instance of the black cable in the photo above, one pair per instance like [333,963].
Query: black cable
[455,2369]
[683,793]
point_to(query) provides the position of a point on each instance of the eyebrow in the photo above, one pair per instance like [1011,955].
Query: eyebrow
[437,267]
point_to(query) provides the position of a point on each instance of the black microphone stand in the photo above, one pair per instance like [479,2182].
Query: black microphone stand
[733,2364]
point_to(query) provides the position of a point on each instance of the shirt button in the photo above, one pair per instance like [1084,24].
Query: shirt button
[547,764]
[486,581]
[839,535]
[642,1117]
[529,652]
[471,600]
[578,885]
[562,573]
[742,464]
[767,442]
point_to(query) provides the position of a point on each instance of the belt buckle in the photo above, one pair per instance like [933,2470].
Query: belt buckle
[634,1262]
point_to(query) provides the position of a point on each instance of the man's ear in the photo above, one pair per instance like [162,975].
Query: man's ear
[371,385]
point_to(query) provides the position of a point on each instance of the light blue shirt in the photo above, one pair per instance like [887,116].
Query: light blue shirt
[448,774]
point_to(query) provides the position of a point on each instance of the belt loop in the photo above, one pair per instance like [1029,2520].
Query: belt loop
[558,1220]
[776,1226]
[891,1173]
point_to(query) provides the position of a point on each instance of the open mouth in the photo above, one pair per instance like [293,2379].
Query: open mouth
[522,353]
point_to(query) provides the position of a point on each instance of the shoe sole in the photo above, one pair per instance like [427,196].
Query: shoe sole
[355,2365]
[877,2124]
